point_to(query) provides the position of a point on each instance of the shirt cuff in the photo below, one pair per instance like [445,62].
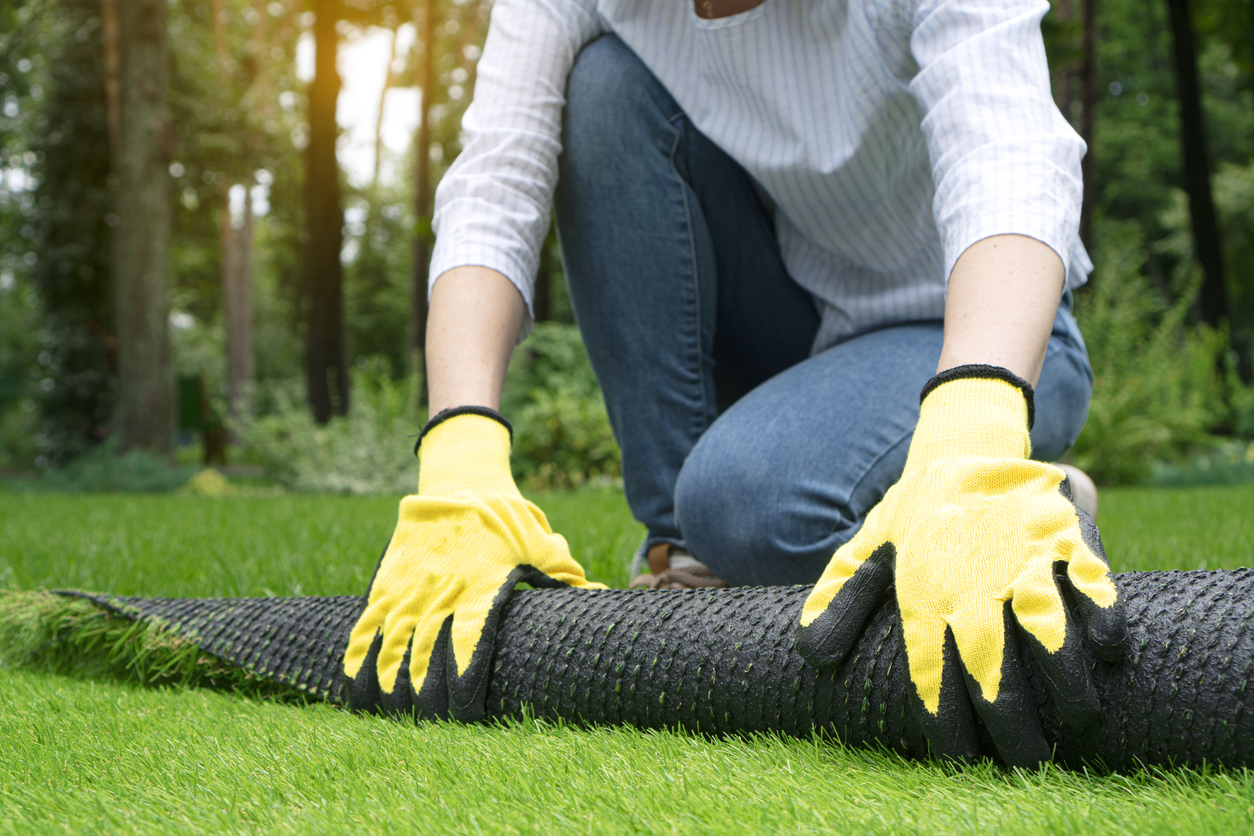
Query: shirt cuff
[1033,194]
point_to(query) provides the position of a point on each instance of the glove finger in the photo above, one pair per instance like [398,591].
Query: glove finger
[556,580]
[419,686]
[1097,596]
[363,686]
[359,664]
[400,702]
[826,640]
[364,637]
[1049,631]
[375,573]
[563,569]
[951,732]
[432,699]
[472,641]
[1011,719]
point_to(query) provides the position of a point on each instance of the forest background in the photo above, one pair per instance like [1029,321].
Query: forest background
[199,265]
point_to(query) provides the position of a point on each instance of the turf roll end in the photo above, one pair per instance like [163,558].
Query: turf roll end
[78,636]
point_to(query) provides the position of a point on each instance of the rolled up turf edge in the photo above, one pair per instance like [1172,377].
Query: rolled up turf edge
[722,661]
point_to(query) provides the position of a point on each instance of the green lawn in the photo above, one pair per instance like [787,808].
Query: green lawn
[83,756]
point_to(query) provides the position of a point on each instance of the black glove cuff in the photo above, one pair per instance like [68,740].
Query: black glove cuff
[977,370]
[444,415]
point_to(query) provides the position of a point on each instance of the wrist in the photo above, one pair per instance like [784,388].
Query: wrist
[465,449]
[974,411]
[980,371]
[452,412]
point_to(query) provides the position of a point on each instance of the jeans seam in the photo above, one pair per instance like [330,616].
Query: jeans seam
[703,420]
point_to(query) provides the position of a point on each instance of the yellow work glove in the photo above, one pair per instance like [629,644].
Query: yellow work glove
[978,538]
[424,643]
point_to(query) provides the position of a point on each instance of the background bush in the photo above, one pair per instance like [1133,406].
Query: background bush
[562,435]
[1163,387]
[367,451]
[102,470]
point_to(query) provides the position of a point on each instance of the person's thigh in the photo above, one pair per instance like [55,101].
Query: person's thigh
[787,475]
[675,275]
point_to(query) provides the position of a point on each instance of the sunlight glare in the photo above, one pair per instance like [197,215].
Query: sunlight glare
[363,67]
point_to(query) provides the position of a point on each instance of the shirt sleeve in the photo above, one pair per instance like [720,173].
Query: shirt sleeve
[492,207]
[1004,160]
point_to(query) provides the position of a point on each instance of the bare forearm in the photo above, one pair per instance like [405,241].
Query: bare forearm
[471,331]
[1003,295]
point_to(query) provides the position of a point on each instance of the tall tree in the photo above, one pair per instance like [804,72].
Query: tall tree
[426,20]
[389,76]
[1088,122]
[237,298]
[52,69]
[1207,246]
[249,84]
[1062,29]
[326,351]
[144,413]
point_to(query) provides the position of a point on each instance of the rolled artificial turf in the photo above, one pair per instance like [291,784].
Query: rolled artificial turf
[723,661]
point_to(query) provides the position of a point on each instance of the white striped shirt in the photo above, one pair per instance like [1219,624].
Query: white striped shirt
[891,135]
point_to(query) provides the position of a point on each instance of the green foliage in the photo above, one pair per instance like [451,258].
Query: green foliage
[1161,389]
[1137,145]
[19,426]
[19,361]
[562,435]
[1233,188]
[367,451]
[1230,464]
[102,470]
[56,143]
[379,275]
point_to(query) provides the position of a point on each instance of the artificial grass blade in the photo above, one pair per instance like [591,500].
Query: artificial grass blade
[77,637]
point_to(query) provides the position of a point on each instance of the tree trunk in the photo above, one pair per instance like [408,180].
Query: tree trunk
[1088,122]
[378,121]
[219,36]
[542,299]
[237,301]
[422,183]
[144,415]
[1206,240]
[1064,72]
[326,353]
[542,296]
[109,36]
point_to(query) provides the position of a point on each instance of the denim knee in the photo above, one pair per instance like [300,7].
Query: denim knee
[746,521]
[613,102]
[1063,392]
[706,513]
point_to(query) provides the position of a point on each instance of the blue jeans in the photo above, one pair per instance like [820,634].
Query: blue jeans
[738,443]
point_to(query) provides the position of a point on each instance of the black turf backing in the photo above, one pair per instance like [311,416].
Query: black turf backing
[722,661]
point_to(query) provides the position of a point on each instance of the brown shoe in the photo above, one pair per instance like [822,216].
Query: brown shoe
[674,568]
